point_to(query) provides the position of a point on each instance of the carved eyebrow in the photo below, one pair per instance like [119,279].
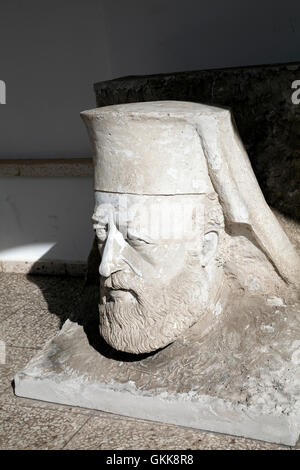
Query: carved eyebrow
[99,219]
[95,218]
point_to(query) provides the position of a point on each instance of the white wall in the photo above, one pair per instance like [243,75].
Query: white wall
[51,53]
[155,36]
[45,218]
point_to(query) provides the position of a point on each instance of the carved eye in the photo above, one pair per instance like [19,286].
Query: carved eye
[138,242]
[135,240]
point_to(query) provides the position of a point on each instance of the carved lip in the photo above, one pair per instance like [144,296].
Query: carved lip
[116,294]
[120,294]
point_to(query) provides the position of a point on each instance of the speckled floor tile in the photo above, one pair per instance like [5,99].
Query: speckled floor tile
[8,401]
[36,428]
[17,284]
[13,295]
[15,359]
[104,433]
[15,292]
[33,309]
[9,306]
[5,379]
[57,294]
[29,327]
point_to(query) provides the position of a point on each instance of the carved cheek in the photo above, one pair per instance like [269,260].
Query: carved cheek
[137,262]
[162,262]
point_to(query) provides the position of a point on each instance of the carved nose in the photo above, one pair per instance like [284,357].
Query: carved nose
[111,258]
[105,269]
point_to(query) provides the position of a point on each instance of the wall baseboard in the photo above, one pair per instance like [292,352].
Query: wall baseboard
[46,167]
[45,267]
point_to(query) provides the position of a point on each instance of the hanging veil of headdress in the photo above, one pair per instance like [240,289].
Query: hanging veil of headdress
[116,146]
[240,195]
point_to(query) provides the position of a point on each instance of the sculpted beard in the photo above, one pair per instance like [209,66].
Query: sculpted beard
[155,315]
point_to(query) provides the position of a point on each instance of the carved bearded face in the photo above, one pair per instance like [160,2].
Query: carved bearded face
[158,266]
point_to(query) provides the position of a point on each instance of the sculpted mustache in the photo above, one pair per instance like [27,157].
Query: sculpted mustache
[122,282]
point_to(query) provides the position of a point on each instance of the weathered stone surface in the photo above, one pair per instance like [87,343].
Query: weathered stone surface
[181,158]
[241,379]
[260,100]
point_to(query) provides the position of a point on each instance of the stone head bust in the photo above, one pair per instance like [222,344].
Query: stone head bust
[176,201]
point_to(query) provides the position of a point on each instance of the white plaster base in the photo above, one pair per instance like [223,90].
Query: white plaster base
[233,381]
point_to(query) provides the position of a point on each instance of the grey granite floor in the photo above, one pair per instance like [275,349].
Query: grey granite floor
[32,310]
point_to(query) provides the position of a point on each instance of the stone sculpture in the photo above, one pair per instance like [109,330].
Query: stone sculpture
[198,282]
[185,159]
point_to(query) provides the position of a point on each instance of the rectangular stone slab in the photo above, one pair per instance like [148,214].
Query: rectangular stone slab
[243,378]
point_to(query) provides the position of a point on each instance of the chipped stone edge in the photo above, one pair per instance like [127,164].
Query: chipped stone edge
[203,412]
